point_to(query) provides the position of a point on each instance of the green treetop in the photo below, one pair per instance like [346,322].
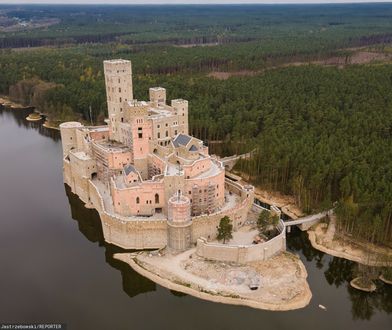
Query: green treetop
[225,229]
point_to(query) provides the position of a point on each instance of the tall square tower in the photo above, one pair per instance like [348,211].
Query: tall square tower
[119,90]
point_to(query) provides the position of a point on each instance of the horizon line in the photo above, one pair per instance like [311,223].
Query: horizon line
[192,2]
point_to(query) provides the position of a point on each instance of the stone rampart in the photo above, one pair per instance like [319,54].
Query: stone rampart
[151,232]
[243,253]
[129,233]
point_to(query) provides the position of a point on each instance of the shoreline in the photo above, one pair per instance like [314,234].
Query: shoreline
[6,102]
[382,278]
[346,250]
[356,286]
[47,125]
[30,118]
[173,281]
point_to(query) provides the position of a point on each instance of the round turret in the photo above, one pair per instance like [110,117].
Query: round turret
[179,223]
[68,135]
[179,209]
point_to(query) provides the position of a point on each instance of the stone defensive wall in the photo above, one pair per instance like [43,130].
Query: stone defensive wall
[205,225]
[151,232]
[243,253]
[129,232]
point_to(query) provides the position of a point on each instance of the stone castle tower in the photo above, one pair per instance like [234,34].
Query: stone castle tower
[179,223]
[119,90]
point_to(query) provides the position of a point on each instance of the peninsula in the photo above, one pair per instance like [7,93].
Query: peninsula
[157,187]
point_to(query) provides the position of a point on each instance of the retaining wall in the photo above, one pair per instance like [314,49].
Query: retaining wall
[151,233]
[243,253]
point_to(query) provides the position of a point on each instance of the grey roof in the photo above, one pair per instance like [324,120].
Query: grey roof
[193,148]
[129,168]
[181,139]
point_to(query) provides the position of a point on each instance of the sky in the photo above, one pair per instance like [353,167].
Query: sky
[182,1]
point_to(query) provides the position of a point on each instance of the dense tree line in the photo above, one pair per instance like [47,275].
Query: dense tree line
[321,134]
[355,24]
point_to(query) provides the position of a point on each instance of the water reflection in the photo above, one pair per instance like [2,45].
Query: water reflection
[89,225]
[52,238]
[298,241]
[20,119]
[339,272]
[364,305]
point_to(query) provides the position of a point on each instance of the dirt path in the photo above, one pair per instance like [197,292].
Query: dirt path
[360,56]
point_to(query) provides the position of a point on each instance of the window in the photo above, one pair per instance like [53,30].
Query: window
[122,119]
[175,132]
[167,134]
[119,80]
[119,89]
[156,199]
[159,135]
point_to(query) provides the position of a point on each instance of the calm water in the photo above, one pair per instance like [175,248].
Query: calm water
[55,266]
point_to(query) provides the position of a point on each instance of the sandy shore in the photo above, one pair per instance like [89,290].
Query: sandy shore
[282,279]
[47,125]
[5,101]
[30,118]
[379,256]
[382,278]
[354,284]
[285,202]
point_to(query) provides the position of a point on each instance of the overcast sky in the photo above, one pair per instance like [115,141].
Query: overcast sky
[182,1]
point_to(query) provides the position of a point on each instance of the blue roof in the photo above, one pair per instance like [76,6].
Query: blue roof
[129,168]
[181,139]
[193,148]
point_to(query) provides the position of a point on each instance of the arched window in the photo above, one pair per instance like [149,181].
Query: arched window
[156,199]
[137,200]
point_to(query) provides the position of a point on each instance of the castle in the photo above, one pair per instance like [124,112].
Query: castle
[152,183]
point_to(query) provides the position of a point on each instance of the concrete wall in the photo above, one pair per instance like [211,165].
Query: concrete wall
[242,253]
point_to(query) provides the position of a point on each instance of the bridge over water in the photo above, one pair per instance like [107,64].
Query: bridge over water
[304,223]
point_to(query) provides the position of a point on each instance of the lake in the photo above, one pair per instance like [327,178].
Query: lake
[56,267]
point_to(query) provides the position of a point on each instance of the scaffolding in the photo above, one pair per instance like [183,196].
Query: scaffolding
[203,199]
